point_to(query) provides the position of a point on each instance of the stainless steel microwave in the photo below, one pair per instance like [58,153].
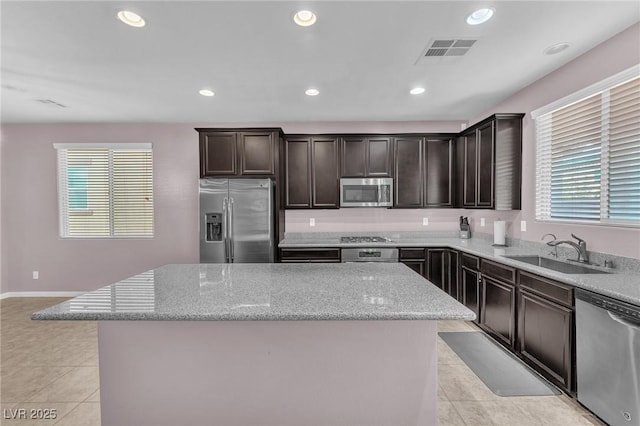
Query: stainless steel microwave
[366,192]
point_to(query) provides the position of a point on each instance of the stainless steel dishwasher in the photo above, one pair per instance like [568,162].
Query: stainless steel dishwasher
[608,357]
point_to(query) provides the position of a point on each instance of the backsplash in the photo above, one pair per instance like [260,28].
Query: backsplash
[388,220]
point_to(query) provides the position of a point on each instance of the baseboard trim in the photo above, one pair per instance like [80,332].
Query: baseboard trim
[9,294]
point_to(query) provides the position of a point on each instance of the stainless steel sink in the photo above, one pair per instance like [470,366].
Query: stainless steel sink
[556,265]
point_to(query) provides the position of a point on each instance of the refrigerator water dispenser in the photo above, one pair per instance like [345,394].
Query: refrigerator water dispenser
[214,226]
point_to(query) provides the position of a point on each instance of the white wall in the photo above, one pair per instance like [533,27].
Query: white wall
[30,209]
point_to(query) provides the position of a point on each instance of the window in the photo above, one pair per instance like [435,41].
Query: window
[105,190]
[588,154]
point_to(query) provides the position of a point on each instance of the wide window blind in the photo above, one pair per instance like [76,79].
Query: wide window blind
[588,154]
[105,190]
[576,132]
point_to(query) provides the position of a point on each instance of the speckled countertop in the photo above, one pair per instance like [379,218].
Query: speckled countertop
[266,291]
[623,284]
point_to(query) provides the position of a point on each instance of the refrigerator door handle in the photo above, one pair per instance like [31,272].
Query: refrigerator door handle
[231,242]
[225,231]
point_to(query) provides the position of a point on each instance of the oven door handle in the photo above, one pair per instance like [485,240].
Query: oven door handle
[624,321]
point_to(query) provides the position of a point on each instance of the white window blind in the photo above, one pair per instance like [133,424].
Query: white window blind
[624,152]
[588,154]
[105,190]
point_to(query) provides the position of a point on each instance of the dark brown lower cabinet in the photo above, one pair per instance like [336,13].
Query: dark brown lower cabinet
[437,267]
[454,274]
[310,255]
[546,328]
[498,304]
[414,258]
[470,283]
[442,269]
[471,290]
[498,310]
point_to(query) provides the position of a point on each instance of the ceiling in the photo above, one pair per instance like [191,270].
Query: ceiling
[74,62]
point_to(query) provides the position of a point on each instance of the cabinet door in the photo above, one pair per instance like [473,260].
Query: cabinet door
[416,265]
[498,310]
[544,337]
[352,159]
[439,169]
[310,255]
[437,268]
[379,154]
[409,172]
[218,155]
[297,173]
[325,192]
[470,169]
[471,290]
[257,153]
[484,184]
[453,270]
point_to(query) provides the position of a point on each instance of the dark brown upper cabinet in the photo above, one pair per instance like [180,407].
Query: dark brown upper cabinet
[489,160]
[311,172]
[408,179]
[439,180]
[366,156]
[297,173]
[238,153]
[424,171]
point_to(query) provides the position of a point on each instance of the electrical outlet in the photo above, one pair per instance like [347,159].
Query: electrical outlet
[523,225]
[482,221]
[36,275]
[425,221]
[312,221]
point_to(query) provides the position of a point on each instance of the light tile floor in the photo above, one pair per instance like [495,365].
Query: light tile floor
[53,365]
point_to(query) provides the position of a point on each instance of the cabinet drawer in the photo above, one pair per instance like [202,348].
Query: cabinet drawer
[411,253]
[496,270]
[553,290]
[471,262]
[310,255]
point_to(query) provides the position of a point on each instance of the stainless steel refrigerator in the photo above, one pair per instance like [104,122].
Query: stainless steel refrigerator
[236,221]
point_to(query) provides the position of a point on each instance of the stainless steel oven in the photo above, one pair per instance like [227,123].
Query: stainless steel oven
[366,192]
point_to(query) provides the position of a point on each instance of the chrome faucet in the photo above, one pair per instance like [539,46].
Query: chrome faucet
[581,247]
[555,248]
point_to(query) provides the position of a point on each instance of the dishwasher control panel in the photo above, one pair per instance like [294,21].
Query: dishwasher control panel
[619,307]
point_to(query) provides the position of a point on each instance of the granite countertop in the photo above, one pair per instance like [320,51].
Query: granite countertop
[618,283]
[265,291]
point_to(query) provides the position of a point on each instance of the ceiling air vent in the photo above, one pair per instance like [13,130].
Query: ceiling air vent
[440,48]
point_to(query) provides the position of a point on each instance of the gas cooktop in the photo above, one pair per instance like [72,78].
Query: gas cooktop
[365,239]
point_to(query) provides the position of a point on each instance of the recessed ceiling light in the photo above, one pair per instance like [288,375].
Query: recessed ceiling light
[556,48]
[206,92]
[131,18]
[480,16]
[417,90]
[312,92]
[304,18]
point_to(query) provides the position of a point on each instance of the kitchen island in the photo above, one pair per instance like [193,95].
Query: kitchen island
[269,344]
